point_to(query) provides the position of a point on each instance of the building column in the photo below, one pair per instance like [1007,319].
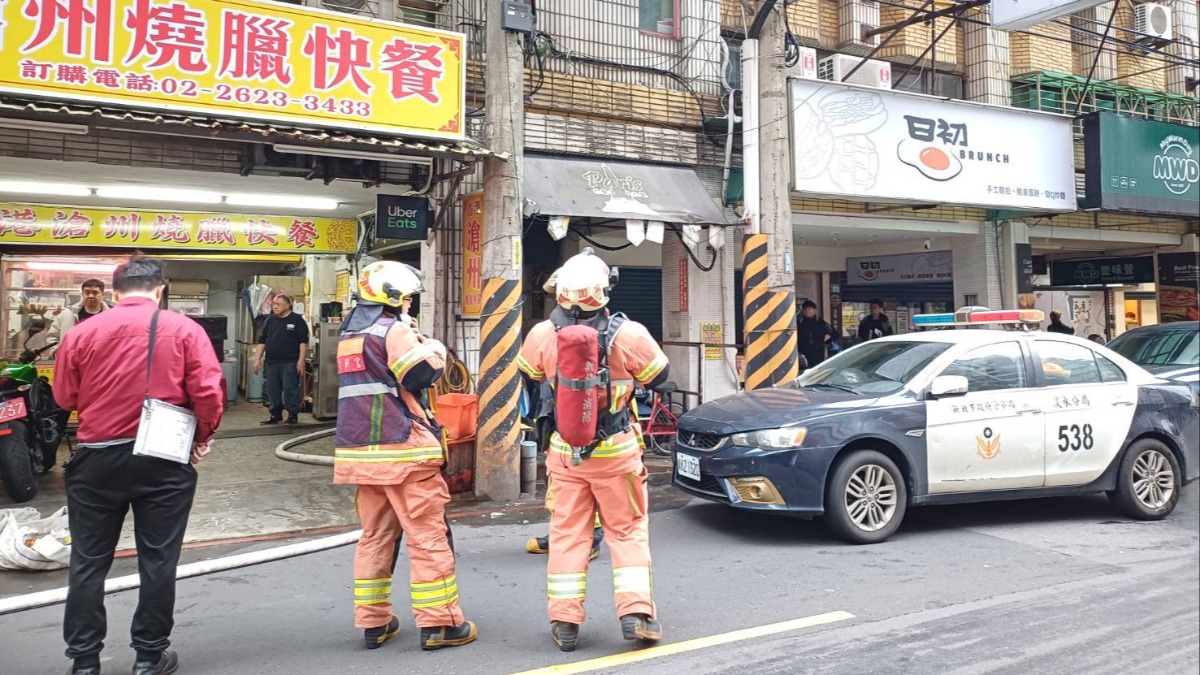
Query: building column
[987,53]
[695,300]
[1013,233]
[977,268]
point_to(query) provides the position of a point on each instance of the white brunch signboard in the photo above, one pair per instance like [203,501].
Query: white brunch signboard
[867,144]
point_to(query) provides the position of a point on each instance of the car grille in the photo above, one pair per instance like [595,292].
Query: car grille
[696,440]
[707,484]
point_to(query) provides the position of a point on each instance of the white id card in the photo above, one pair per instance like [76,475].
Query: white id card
[166,431]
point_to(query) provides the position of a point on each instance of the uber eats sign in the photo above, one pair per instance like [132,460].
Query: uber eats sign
[401,217]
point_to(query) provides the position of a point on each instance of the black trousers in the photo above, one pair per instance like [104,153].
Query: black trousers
[102,485]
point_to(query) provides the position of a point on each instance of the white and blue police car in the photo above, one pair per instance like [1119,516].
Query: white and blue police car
[946,416]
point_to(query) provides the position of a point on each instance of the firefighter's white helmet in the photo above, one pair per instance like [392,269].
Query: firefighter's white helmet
[582,282]
[388,283]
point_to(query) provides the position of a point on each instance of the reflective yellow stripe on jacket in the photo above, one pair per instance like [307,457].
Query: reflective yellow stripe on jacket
[613,447]
[374,454]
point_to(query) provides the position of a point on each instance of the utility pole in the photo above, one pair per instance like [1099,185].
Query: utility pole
[769,278]
[497,455]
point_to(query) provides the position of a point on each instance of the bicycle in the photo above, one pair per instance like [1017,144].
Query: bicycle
[662,420]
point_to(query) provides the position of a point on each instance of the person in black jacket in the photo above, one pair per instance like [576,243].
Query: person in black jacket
[813,334]
[876,325]
[1057,325]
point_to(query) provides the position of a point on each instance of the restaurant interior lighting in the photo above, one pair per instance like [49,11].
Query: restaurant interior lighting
[36,125]
[282,201]
[154,193]
[84,268]
[352,154]
[38,188]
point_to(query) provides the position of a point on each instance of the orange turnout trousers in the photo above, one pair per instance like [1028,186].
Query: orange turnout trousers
[415,508]
[612,480]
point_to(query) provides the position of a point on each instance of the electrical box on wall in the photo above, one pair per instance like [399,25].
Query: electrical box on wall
[517,18]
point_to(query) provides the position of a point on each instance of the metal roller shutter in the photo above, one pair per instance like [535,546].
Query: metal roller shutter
[638,295]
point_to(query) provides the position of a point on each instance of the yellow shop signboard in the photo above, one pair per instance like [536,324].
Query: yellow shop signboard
[244,58]
[74,226]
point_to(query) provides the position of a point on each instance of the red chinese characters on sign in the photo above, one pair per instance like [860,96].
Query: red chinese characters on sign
[303,234]
[254,47]
[170,228]
[74,226]
[170,34]
[70,74]
[260,232]
[75,18]
[474,243]
[216,231]
[123,226]
[414,69]
[337,58]
[18,222]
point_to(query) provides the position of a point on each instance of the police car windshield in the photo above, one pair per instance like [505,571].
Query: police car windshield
[875,368]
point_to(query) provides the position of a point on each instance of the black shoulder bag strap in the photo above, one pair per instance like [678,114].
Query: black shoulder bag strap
[150,350]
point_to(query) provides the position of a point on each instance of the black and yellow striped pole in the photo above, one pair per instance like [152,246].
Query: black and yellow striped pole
[770,321]
[498,469]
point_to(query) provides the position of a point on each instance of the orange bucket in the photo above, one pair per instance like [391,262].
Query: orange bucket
[458,412]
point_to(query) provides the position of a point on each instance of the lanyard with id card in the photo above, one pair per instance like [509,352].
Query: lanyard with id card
[165,431]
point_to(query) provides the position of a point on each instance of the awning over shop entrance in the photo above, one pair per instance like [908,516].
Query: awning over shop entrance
[592,188]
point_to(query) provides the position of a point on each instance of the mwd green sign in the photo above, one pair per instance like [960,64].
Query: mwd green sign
[401,217]
[1139,165]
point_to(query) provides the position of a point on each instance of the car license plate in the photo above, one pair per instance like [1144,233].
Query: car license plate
[687,466]
[12,409]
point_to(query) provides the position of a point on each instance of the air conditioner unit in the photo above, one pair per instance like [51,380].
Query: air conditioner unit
[874,73]
[1153,21]
[806,66]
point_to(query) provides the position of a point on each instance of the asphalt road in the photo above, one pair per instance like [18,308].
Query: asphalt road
[1059,585]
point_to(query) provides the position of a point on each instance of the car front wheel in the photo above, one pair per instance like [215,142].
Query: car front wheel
[866,498]
[1147,481]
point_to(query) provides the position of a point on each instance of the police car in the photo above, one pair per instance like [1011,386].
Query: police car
[943,417]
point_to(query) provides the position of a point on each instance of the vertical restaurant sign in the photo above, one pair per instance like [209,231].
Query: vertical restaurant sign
[80,226]
[683,284]
[1141,165]
[472,255]
[868,144]
[244,58]
[1178,287]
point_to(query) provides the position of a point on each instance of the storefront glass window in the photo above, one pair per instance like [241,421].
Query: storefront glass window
[35,291]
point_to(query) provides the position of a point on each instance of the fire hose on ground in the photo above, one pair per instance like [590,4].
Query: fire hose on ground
[57,596]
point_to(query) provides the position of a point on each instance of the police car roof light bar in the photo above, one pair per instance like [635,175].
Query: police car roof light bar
[979,316]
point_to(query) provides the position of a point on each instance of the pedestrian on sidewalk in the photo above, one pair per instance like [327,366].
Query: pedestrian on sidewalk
[813,334]
[390,446]
[876,324]
[284,344]
[1057,325]
[608,470]
[100,370]
[92,304]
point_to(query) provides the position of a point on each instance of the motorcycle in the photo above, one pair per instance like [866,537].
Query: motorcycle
[30,431]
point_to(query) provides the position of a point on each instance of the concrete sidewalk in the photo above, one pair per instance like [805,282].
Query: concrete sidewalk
[246,492]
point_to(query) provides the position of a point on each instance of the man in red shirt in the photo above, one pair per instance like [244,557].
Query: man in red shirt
[101,371]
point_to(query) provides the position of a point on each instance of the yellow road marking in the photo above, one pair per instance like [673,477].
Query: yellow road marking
[689,645]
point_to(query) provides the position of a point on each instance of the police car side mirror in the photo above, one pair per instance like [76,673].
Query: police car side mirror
[946,386]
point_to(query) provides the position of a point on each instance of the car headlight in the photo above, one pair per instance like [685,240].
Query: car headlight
[787,437]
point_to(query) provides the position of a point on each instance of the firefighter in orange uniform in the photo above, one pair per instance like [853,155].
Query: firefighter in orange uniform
[606,472]
[389,446]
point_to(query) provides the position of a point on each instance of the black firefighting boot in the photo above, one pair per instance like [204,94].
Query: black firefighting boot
[375,637]
[565,634]
[448,636]
[641,627]
[540,545]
